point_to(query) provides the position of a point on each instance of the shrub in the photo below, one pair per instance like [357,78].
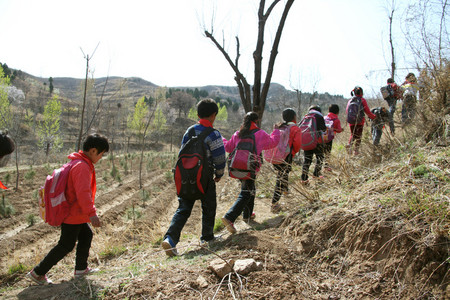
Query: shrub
[31,219]
[6,209]
[30,174]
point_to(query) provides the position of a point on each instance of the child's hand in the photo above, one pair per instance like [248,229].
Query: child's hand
[95,221]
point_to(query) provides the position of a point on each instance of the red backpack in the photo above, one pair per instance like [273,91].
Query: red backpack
[192,170]
[244,160]
[53,206]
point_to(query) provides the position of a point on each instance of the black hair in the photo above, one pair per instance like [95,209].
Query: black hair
[357,91]
[334,108]
[288,115]
[390,80]
[315,107]
[6,145]
[411,77]
[96,141]
[207,107]
[248,119]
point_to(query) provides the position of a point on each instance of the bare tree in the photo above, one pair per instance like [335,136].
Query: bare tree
[391,8]
[84,97]
[259,92]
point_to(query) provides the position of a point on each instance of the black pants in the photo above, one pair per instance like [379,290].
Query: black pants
[245,202]
[70,234]
[281,184]
[184,210]
[327,147]
[318,151]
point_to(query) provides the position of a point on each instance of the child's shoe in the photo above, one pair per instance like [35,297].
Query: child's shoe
[276,208]
[229,225]
[252,217]
[39,279]
[169,247]
[82,273]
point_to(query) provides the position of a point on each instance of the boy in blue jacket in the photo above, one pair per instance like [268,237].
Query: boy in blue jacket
[207,110]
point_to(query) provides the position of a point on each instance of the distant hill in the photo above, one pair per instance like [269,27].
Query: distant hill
[130,89]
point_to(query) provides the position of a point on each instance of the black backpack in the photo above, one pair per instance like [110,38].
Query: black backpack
[192,170]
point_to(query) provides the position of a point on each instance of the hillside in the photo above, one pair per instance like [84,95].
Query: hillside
[368,230]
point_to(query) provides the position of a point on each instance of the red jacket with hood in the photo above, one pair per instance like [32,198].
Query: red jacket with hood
[80,190]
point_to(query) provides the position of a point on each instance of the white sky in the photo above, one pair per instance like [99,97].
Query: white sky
[330,44]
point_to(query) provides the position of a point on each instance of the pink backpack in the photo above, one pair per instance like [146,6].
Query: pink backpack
[329,135]
[53,206]
[277,154]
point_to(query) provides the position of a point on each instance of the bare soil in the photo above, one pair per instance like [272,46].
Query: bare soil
[316,248]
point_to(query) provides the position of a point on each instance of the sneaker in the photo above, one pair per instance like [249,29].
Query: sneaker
[252,217]
[170,247]
[82,273]
[39,279]
[229,225]
[210,243]
[276,207]
[304,182]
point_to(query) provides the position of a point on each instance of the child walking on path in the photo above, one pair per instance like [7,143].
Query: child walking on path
[207,110]
[392,102]
[80,194]
[356,107]
[316,112]
[283,169]
[411,88]
[382,117]
[246,199]
[335,127]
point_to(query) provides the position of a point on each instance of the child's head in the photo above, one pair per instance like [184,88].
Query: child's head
[315,107]
[248,119]
[390,80]
[96,141]
[357,91]
[411,77]
[289,115]
[334,108]
[6,145]
[206,108]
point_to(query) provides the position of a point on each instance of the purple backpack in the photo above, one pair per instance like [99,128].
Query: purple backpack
[355,111]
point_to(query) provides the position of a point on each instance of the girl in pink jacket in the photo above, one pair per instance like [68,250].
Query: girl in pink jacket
[246,199]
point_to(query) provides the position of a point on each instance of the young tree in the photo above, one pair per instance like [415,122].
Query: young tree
[141,121]
[182,102]
[48,128]
[5,106]
[222,115]
[259,92]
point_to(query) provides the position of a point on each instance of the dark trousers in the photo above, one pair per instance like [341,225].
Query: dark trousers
[184,210]
[318,151]
[392,102]
[356,132]
[282,182]
[377,131]
[327,147]
[244,203]
[70,234]
[408,108]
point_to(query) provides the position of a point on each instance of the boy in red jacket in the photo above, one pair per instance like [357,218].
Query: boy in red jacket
[80,194]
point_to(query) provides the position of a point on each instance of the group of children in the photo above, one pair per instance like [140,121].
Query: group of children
[217,146]
[81,186]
